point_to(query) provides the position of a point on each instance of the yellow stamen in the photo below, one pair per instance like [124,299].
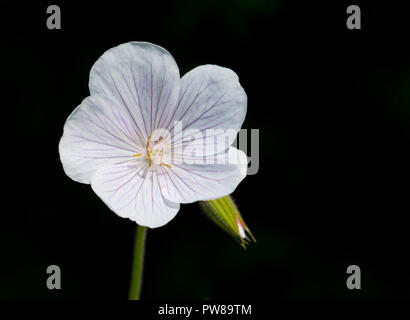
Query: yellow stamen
[137,155]
[165,164]
[148,142]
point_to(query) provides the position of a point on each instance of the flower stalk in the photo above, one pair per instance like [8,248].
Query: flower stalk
[138,263]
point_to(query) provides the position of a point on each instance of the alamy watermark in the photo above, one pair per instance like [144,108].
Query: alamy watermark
[54,280]
[54,18]
[354,281]
[202,147]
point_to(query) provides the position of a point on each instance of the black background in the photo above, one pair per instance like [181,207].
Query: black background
[333,109]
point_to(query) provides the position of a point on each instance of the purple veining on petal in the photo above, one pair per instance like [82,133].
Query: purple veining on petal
[139,102]
[199,118]
[126,182]
[158,125]
[102,143]
[110,133]
[175,109]
[151,96]
[193,101]
[123,101]
[159,99]
[139,133]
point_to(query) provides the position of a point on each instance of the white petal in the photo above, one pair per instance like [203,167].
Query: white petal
[241,229]
[211,98]
[143,77]
[133,192]
[98,132]
[184,183]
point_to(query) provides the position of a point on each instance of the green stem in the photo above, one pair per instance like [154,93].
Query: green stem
[138,263]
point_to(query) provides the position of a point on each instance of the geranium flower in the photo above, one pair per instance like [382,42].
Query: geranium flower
[123,138]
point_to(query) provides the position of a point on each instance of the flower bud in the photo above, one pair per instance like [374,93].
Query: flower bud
[224,213]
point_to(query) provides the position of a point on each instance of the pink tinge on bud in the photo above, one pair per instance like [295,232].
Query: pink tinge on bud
[241,229]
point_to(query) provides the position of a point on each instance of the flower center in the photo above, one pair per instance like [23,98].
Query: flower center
[155,151]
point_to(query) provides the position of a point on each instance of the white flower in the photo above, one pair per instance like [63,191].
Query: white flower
[122,138]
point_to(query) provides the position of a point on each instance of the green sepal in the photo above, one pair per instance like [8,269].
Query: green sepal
[225,214]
